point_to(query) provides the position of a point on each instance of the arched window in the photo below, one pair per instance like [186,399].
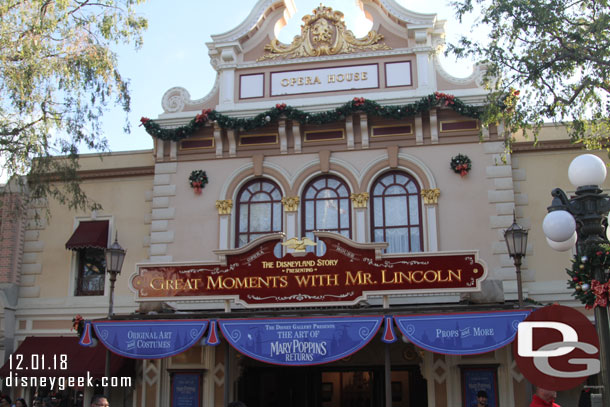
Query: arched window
[259,211]
[326,206]
[396,213]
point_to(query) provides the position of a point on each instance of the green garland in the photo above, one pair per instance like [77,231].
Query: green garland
[292,113]
[581,274]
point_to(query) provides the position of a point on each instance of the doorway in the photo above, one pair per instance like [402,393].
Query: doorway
[328,386]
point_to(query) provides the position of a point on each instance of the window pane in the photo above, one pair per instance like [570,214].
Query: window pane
[327,214]
[310,194]
[243,218]
[332,183]
[414,210]
[378,208]
[275,195]
[91,273]
[412,188]
[415,240]
[260,217]
[255,187]
[268,187]
[395,190]
[319,184]
[245,196]
[379,235]
[277,217]
[378,190]
[401,179]
[342,191]
[309,215]
[395,211]
[261,196]
[398,240]
[243,239]
[344,213]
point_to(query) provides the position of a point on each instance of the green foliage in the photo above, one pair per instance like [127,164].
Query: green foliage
[582,271]
[292,113]
[556,53]
[58,74]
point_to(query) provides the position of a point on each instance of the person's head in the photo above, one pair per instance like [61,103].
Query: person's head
[546,395]
[20,403]
[482,397]
[46,402]
[99,401]
[37,402]
[5,401]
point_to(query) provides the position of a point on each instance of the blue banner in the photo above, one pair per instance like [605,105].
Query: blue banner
[300,341]
[149,339]
[461,334]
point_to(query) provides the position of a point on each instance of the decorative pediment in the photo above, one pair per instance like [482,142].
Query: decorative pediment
[323,33]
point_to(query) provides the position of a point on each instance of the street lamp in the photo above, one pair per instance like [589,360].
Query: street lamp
[588,210]
[115,255]
[516,242]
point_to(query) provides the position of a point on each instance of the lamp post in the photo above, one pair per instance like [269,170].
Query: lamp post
[516,242]
[589,210]
[115,255]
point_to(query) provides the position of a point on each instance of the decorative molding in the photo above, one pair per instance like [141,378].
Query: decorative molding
[323,33]
[176,99]
[360,200]
[291,203]
[224,206]
[430,196]
[439,371]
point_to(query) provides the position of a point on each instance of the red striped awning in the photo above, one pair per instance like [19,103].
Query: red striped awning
[90,234]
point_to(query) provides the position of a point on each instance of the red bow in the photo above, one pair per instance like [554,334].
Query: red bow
[76,321]
[203,116]
[144,120]
[601,292]
[447,99]
[280,106]
[359,101]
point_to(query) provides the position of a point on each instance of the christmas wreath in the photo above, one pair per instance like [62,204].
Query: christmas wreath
[461,164]
[587,289]
[198,179]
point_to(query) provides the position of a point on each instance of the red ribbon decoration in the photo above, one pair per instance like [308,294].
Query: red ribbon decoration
[601,291]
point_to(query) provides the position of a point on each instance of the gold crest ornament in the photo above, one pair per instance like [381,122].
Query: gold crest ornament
[324,33]
[299,245]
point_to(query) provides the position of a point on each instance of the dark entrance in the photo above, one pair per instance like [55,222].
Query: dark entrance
[328,386]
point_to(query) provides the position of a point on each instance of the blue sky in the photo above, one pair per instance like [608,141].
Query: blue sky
[174,52]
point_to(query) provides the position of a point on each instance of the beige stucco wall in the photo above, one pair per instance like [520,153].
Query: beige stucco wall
[546,170]
[124,202]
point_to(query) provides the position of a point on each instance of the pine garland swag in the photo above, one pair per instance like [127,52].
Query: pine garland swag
[581,274]
[281,110]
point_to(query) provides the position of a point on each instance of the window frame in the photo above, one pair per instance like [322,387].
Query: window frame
[420,225]
[238,205]
[304,201]
[80,264]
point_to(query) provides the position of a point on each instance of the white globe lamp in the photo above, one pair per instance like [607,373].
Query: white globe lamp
[587,169]
[562,246]
[559,226]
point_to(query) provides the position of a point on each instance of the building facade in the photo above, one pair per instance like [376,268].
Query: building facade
[367,139]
